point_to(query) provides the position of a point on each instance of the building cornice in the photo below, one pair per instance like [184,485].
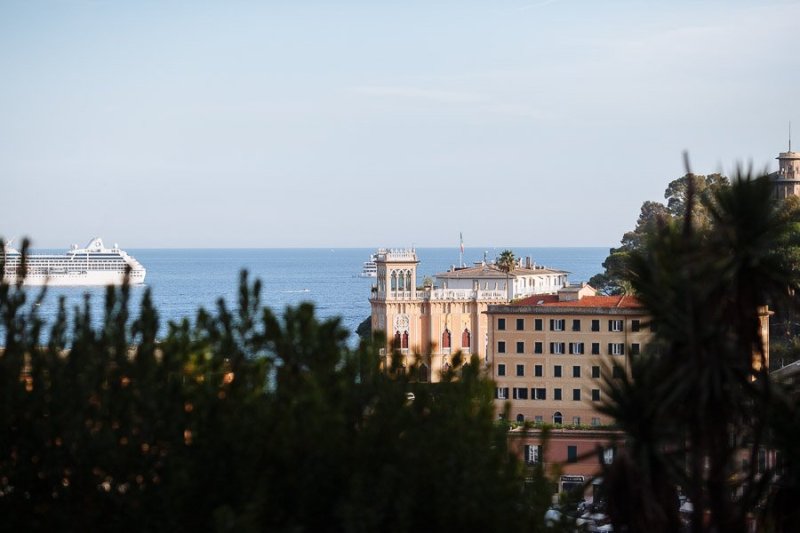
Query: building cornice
[563,310]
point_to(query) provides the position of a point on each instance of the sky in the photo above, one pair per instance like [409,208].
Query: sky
[182,124]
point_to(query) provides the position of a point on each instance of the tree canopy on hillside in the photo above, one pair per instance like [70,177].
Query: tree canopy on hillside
[613,280]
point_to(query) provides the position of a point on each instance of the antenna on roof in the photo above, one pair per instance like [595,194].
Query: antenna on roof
[790,135]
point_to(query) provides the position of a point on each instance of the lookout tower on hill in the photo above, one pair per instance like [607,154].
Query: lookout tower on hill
[786,181]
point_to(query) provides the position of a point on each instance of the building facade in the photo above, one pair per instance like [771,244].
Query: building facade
[573,459]
[549,354]
[433,322]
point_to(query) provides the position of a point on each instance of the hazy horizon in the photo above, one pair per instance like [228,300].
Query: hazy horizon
[355,125]
[467,250]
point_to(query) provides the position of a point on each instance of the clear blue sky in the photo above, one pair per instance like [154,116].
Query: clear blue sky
[344,123]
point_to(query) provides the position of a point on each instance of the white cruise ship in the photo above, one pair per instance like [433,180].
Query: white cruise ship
[93,265]
[370,268]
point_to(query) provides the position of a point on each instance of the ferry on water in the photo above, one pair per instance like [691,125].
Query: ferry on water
[92,265]
[370,269]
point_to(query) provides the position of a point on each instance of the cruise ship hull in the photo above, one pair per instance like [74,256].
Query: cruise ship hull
[78,279]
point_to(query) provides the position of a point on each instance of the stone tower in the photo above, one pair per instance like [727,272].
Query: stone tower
[397,306]
[786,180]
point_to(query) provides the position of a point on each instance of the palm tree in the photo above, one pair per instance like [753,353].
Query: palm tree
[506,262]
[705,289]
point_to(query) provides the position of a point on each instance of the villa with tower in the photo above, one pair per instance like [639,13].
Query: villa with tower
[434,321]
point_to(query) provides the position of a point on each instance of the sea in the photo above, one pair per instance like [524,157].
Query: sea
[183,280]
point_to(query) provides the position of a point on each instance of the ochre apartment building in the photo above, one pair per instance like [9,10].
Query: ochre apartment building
[549,353]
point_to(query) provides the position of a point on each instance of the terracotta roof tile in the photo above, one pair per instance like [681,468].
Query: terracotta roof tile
[551,300]
[537,299]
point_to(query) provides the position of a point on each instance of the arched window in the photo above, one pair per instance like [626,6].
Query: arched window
[446,339]
[520,418]
[558,418]
[408,280]
[396,343]
[404,341]
[394,280]
[466,340]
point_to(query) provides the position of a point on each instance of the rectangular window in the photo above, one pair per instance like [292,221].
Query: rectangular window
[576,325]
[556,324]
[538,419]
[615,325]
[520,370]
[537,347]
[557,347]
[501,346]
[537,324]
[618,372]
[541,394]
[576,395]
[595,395]
[501,369]
[595,372]
[520,324]
[520,347]
[576,348]
[595,348]
[537,371]
[576,421]
[616,348]
[608,455]
[557,371]
[595,325]
[635,348]
[533,453]
[635,325]
[501,324]
[576,371]
[520,393]
[502,393]
[595,421]
[572,454]
[556,394]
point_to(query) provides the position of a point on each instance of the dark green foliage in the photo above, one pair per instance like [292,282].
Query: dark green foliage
[242,421]
[700,406]
[506,261]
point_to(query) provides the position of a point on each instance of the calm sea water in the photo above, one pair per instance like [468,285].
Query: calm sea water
[184,280]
